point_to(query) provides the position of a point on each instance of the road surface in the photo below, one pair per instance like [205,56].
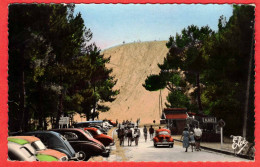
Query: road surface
[145,151]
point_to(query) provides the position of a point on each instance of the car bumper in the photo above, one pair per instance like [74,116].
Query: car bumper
[75,158]
[105,153]
[112,144]
[164,143]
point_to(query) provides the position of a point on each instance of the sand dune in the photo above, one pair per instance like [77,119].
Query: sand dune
[131,64]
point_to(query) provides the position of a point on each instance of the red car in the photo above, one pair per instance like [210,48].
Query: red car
[112,123]
[163,137]
[98,135]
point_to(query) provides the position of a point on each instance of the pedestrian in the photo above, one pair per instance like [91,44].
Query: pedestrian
[126,131]
[118,131]
[151,132]
[129,136]
[197,135]
[185,138]
[121,136]
[145,133]
[136,135]
[192,141]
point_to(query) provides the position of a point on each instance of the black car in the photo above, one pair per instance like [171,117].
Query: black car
[55,141]
[84,143]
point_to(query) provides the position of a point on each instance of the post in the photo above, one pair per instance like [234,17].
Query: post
[221,136]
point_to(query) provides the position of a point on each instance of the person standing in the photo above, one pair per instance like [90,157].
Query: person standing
[136,135]
[121,136]
[129,136]
[192,141]
[197,135]
[151,132]
[185,138]
[145,133]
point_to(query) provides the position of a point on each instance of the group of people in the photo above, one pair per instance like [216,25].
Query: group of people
[192,138]
[151,132]
[129,134]
[125,132]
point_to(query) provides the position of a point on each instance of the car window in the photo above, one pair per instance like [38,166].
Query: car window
[38,145]
[26,152]
[70,136]
[92,132]
[163,133]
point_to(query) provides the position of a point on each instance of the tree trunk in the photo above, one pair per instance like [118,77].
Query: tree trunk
[93,115]
[22,98]
[248,87]
[60,110]
[198,92]
[88,114]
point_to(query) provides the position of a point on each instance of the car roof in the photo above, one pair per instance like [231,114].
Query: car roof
[91,128]
[160,130]
[90,122]
[67,129]
[29,139]
[18,141]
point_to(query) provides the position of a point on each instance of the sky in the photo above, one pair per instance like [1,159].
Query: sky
[111,24]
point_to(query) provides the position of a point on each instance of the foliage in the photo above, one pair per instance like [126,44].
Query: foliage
[52,66]
[217,64]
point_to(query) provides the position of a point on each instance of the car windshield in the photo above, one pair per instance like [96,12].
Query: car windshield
[38,145]
[99,132]
[163,133]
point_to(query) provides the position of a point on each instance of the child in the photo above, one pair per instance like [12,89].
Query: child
[192,141]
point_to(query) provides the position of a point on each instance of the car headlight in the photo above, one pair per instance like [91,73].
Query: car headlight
[64,158]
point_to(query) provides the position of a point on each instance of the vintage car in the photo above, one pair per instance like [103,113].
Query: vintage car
[41,150]
[163,137]
[83,143]
[112,122]
[21,150]
[55,141]
[95,124]
[98,135]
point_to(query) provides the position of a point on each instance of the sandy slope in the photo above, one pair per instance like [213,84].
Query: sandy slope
[131,64]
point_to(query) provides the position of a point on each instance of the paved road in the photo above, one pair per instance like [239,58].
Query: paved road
[145,151]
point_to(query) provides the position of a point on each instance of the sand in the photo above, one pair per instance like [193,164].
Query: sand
[131,64]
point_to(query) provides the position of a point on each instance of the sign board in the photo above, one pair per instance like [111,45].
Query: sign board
[209,120]
[221,123]
[64,120]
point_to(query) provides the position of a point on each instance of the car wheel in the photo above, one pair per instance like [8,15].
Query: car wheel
[83,156]
[155,145]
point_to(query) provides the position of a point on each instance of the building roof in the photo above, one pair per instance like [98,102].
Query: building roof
[176,116]
[174,110]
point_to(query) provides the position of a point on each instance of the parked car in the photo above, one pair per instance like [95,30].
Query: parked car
[100,128]
[21,150]
[56,141]
[163,137]
[112,122]
[107,125]
[41,150]
[96,124]
[83,143]
[98,135]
